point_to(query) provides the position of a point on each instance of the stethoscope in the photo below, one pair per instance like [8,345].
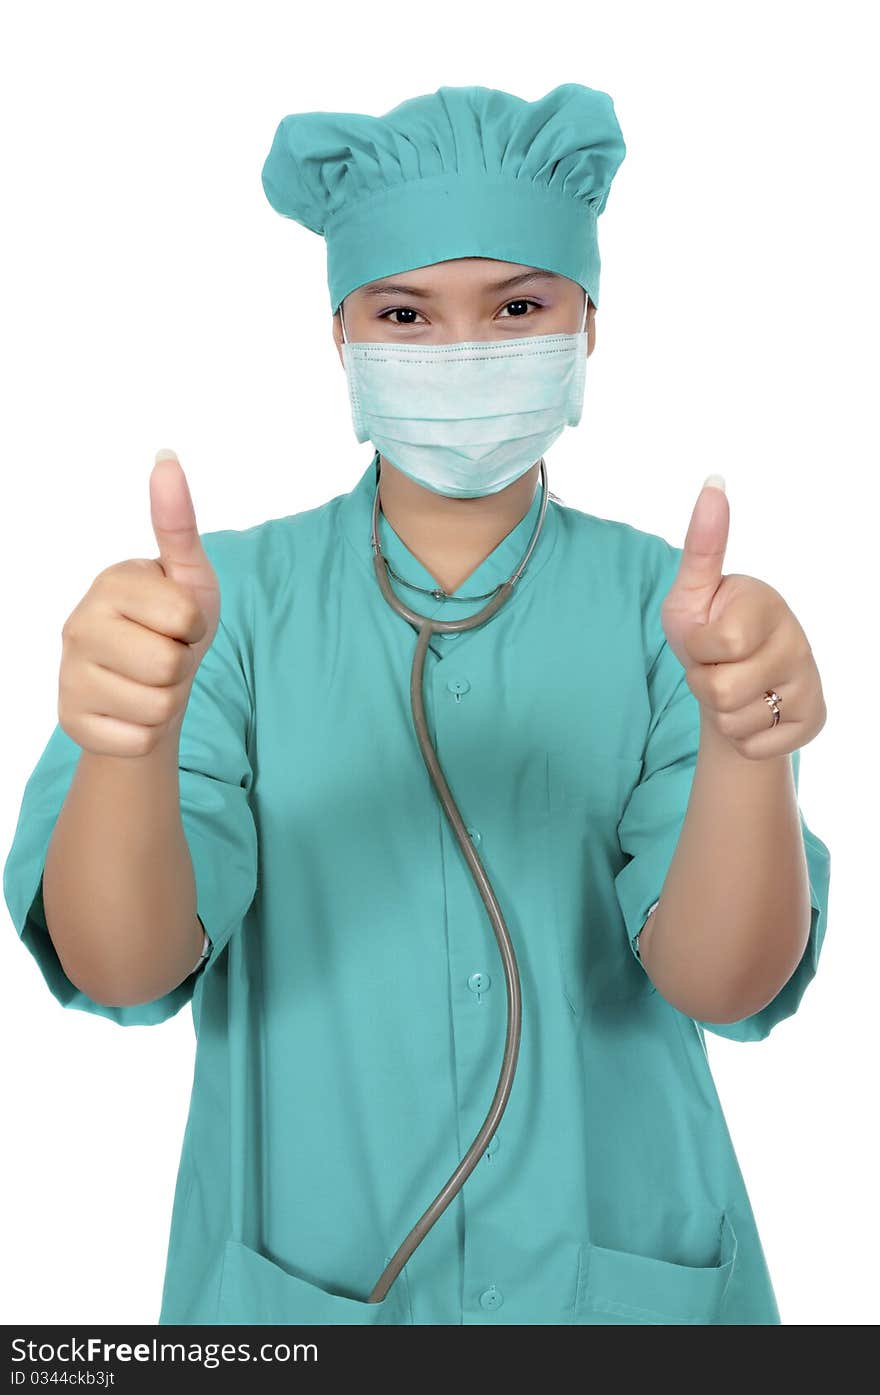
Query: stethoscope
[427,626]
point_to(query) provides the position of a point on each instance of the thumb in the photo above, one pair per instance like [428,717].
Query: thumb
[688,603]
[181,554]
[702,559]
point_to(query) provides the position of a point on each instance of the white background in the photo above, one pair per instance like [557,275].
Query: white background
[151,296]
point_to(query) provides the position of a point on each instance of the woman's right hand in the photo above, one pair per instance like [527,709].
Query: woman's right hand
[133,644]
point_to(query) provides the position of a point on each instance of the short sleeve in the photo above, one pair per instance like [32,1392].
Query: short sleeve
[651,822]
[215,779]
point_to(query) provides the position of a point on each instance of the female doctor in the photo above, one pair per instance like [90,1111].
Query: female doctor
[238,809]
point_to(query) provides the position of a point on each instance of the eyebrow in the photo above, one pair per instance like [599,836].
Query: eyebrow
[396,288]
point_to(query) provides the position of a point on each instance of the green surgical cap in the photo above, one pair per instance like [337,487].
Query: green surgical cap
[461,172]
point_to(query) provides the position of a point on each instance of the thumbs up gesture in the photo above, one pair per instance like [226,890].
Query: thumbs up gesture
[737,640]
[133,644]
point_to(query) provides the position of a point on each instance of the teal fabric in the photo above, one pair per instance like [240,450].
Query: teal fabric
[346,1055]
[460,172]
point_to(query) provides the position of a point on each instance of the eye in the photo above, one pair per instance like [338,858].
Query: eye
[536,303]
[399,310]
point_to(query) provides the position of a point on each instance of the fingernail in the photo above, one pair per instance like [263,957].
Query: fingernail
[165,454]
[716,480]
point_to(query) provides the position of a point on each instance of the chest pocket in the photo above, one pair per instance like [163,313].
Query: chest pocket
[587,792]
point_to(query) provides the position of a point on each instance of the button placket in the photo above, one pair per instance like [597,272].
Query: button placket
[469,934]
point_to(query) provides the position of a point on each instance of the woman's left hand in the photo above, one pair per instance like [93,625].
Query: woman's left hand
[737,639]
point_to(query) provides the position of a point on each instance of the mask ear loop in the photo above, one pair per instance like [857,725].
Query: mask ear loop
[342,322]
[586,308]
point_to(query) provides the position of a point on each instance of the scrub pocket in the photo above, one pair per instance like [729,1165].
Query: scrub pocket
[254,1289]
[615,1286]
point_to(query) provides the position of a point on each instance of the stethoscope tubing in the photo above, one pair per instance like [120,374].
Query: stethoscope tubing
[427,626]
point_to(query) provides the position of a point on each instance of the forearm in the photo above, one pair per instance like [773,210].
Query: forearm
[734,913]
[118,885]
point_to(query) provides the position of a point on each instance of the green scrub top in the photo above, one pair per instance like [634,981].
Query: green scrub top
[350,1019]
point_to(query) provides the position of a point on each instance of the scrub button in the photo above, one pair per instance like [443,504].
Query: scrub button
[478,983]
[475,835]
[491,1298]
[458,686]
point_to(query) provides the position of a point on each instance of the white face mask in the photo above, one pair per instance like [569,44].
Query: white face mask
[466,419]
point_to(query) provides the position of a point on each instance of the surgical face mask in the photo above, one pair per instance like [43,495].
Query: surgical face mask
[466,419]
